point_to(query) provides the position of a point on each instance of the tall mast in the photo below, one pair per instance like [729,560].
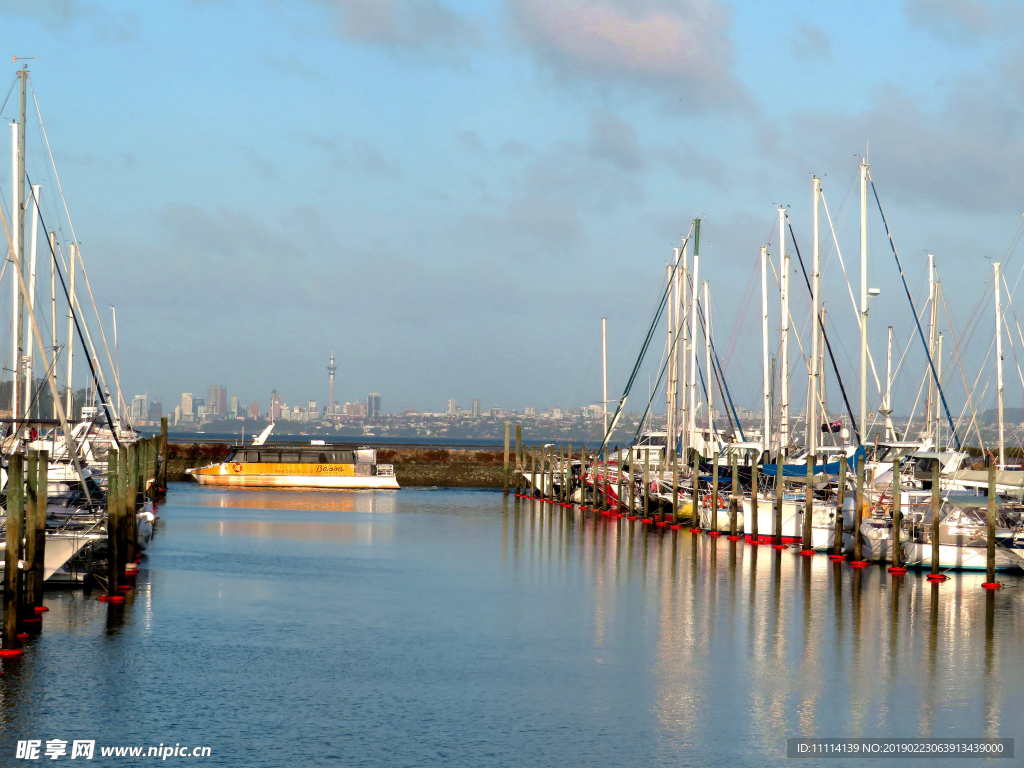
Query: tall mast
[15,298]
[73,254]
[863,302]
[932,422]
[693,331]
[708,373]
[683,351]
[670,405]
[53,310]
[29,384]
[999,363]
[19,245]
[604,371]
[890,433]
[938,404]
[766,381]
[813,384]
[784,330]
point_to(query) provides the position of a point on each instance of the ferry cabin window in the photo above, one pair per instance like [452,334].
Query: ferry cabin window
[312,458]
[340,457]
[289,458]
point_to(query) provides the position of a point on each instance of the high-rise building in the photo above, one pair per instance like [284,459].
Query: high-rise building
[530,411]
[331,368]
[254,410]
[373,405]
[156,411]
[476,408]
[186,403]
[276,401]
[177,414]
[450,410]
[233,408]
[139,410]
[217,399]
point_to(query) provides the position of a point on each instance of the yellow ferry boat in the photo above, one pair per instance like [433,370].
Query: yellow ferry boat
[288,465]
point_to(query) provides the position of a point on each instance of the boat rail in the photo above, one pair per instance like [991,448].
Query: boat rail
[385,470]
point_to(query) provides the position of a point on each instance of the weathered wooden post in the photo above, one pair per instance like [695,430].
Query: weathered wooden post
[675,491]
[990,549]
[935,576]
[583,479]
[631,490]
[808,548]
[11,645]
[126,488]
[897,520]
[714,495]
[505,473]
[33,582]
[620,471]
[533,471]
[114,514]
[163,454]
[858,561]
[753,504]
[647,483]
[837,529]
[519,459]
[734,499]
[778,502]
[39,554]
[695,508]
[135,454]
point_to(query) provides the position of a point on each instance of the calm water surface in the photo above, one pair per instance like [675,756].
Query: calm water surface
[464,628]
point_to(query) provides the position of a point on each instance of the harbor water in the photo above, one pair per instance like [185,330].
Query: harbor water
[466,628]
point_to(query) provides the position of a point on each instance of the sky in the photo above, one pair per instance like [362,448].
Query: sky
[451,194]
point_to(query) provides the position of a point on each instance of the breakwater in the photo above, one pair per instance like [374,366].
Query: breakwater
[446,467]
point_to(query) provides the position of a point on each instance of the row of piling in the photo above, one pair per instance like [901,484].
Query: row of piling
[136,473]
[551,461]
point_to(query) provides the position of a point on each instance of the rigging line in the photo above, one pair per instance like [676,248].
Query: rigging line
[660,309]
[10,90]
[726,395]
[78,329]
[1009,336]
[828,344]
[920,331]
[85,274]
[960,365]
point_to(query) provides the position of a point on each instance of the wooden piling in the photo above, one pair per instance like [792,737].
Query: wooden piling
[114,515]
[734,498]
[631,490]
[695,508]
[753,504]
[11,645]
[675,490]
[620,471]
[714,494]
[837,529]
[533,471]
[163,454]
[39,553]
[647,483]
[897,520]
[519,459]
[131,521]
[936,509]
[505,473]
[567,480]
[858,517]
[35,503]
[583,479]
[778,501]
[990,549]
[808,507]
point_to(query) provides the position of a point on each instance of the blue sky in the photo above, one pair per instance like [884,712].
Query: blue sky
[451,194]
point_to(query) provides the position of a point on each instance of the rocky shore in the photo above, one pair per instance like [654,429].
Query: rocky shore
[414,466]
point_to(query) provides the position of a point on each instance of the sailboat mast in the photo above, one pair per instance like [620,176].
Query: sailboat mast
[670,404]
[683,351]
[29,384]
[19,245]
[932,422]
[766,380]
[15,257]
[863,302]
[938,373]
[708,369]
[693,332]
[813,386]
[784,330]
[999,363]
[53,310]
[604,371]
[889,432]
[69,397]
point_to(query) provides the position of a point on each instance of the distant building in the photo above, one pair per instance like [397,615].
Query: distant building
[451,409]
[276,401]
[233,408]
[476,408]
[354,409]
[373,405]
[177,414]
[139,411]
[254,410]
[217,399]
[155,411]
[186,403]
[530,411]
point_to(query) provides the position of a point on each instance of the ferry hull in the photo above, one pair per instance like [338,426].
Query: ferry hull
[298,481]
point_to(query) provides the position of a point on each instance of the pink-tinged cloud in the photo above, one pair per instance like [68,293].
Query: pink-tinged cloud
[409,24]
[679,45]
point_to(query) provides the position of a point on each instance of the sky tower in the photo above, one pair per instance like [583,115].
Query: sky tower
[330,395]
